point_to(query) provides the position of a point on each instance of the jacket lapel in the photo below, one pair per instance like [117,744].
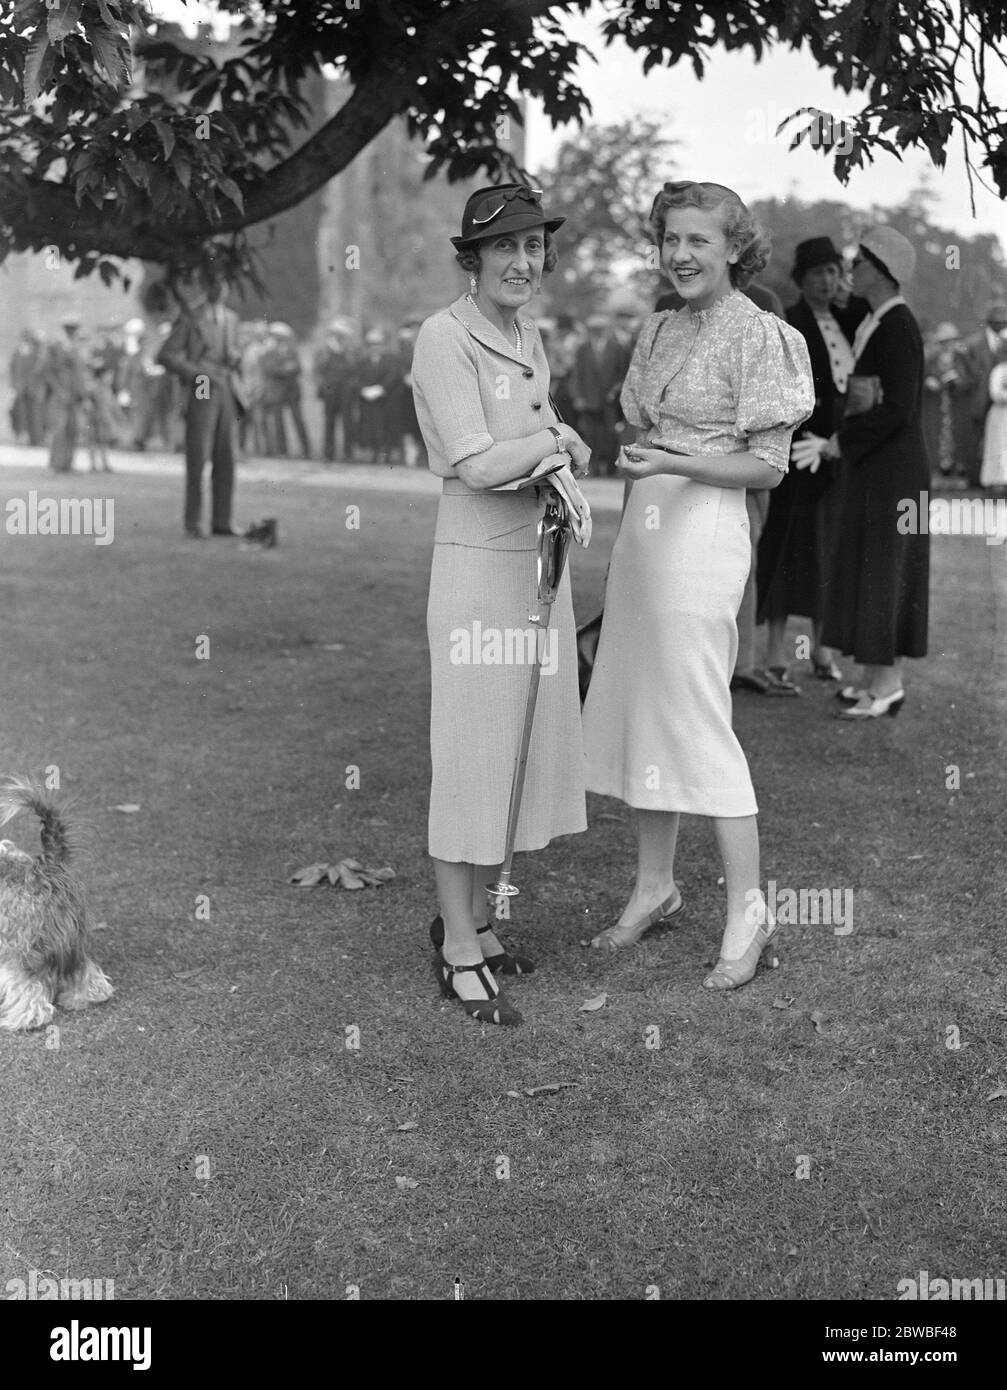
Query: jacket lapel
[491,337]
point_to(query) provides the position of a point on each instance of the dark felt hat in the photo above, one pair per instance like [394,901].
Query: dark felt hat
[817,250]
[500,208]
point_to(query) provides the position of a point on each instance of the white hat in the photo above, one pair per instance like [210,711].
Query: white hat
[892,249]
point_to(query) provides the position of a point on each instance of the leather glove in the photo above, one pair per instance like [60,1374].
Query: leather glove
[577,510]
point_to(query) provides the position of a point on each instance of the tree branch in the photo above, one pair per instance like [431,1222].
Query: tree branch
[386,92]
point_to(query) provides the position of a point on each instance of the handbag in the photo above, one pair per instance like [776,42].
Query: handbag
[863,393]
[587,647]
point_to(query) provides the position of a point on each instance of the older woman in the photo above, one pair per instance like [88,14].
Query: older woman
[794,546]
[878,589]
[715,390]
[481,386]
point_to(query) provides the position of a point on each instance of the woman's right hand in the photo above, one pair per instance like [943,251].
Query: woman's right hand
[580,453]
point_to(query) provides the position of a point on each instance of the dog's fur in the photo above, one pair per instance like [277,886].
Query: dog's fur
[43,920]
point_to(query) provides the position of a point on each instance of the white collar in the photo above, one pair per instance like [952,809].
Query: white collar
[888,304]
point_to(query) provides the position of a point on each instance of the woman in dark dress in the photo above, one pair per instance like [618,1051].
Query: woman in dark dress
[878,584]
[794,546]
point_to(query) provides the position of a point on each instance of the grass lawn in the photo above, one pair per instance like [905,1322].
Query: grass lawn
[212,1133]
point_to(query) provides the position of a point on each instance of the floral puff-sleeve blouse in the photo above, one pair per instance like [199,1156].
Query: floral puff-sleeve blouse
[721,380]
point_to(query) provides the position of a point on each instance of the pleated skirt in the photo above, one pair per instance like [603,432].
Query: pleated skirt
[657,719]
[481,648]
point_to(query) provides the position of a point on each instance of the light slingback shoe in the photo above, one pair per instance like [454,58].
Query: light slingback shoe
[618,938]
[732,974]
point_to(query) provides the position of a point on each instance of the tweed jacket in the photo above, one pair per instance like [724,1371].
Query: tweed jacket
[196,342]
[472,390]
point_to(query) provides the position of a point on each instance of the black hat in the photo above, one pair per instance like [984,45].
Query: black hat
[500,208]
[817,250]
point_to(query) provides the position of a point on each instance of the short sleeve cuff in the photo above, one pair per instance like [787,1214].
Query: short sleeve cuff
[773,447]
[464,448]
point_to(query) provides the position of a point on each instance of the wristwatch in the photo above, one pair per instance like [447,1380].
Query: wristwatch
[560,445]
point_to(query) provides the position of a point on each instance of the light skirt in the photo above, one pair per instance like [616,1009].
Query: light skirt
[477,626]
[657,720]
[994,466]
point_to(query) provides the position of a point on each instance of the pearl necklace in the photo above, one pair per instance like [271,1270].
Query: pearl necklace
[518,343]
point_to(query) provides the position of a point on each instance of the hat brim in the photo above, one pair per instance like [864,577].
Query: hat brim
[517,222]
[801,269]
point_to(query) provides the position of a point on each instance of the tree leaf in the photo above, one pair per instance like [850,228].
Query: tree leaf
[591,1006]
[167,137]
[409,1124]
[405,1184]
[64,20]
[110,55]
[128,808]
[182,168]
[549,1087]
[818,1018]
[783,1003]
[999,1094]
[37,50]
[231,190]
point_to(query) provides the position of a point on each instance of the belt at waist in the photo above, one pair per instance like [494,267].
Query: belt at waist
[492,520]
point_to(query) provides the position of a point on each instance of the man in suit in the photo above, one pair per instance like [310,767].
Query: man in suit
[332,371]
[978,356]
[202,350]
[68,383]
[599,366]
[27,377]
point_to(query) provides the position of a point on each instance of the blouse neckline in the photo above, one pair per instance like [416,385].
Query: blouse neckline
[705,315]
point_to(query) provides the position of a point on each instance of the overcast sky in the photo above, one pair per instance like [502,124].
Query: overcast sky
[722,122]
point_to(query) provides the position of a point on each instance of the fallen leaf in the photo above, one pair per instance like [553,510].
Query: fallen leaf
[549,1086]
[347,877]
[783,1003]
[515,1094]
[999,1094]
[347,873]
[100,926]
[309,876]
[128,808]
[403,1184]
[591,1006]
[409,1124]
[818,1018]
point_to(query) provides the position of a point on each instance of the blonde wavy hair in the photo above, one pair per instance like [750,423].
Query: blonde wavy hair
[741,229]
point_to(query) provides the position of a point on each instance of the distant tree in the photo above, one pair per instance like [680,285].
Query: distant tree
[104,170]
[955,275]
[602,181]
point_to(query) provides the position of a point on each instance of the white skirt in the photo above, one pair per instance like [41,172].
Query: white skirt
[657,720]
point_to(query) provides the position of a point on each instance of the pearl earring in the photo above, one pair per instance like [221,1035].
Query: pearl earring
[473,284]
